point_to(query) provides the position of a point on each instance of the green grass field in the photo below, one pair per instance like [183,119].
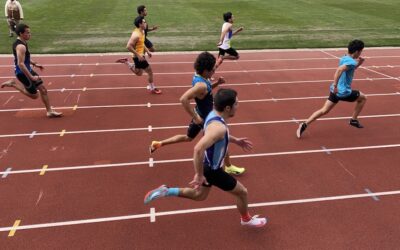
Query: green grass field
[73,26]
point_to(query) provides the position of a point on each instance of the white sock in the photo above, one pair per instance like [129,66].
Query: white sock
[151,86]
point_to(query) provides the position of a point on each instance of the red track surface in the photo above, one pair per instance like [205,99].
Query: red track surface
[275,87]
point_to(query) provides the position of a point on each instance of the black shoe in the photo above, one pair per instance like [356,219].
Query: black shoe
[301,129]
[355,123]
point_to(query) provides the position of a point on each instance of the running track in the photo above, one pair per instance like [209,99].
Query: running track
[78,182]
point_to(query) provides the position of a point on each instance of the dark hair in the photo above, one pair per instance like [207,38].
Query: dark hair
[138,21]
[140,9]
[227,16]
[204,61]
[21,28]
[355,45]
[224,98]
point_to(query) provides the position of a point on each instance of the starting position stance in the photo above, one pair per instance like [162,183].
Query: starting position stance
[224,43]
[31,82]
[340,89]
[201,92]
[208,157]
[137,47]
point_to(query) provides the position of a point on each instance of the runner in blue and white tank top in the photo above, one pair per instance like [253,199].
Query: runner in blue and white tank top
[214,155]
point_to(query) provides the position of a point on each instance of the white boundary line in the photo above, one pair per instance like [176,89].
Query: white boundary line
[147,163]
[191,62]
[219,72]
[152,214]
[183,126]
[187,86]
[148,105]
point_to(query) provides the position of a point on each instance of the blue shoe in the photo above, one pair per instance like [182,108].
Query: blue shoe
[159,192]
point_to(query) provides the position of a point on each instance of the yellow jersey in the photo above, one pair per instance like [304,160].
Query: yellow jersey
[139,46]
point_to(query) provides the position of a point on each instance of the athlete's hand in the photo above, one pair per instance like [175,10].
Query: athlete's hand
[39,66]
[219,43]
[360,60]
[150,55]
[335,90]
[197,181]
[221,80]
[244,143]
[155,27]
[240,29]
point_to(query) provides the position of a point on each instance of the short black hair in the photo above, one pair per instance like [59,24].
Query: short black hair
[355,45]
[204,61]
[224,98]
[227,16]
[138,21]
[140,9]
[21,28]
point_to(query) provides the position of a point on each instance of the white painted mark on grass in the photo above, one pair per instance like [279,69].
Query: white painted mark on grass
[151,162]
[8,100]
[372,196]
[32,134]
[8,170]
[326,150]
[152,214]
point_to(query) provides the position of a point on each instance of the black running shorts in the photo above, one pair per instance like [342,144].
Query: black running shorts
[30,86]
[350,98]
[219,178]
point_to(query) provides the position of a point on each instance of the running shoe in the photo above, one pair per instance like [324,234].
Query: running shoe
[154,146]
[54,114]
[9,83]
[156,91]
[232,169]
[122,60]
[301,129]
[159,192]
[254,222]
[355,123]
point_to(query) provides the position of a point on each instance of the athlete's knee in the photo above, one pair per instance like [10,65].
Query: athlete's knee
[138,72]
[199,196]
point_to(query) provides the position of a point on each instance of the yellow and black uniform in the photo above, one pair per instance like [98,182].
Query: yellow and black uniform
[139,48]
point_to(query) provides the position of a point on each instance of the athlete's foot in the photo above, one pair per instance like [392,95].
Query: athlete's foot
[159,192]
[9,83]
[301,129]
[355,123]
[122,60]
[254,222]
[156,91]
[232,169]
[154,146]
[54,114]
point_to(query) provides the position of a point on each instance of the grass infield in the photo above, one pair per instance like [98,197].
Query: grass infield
[104,26]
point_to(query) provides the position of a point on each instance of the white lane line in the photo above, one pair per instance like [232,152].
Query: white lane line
[374,197]
[8,100]
[191,72]
[147,163]
[179,104]
[200,210]
[191,62]
[5,173]
[326,150]
[227,84]
[150,128]
[151,162]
